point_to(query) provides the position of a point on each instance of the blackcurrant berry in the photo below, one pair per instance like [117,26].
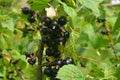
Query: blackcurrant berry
[25,10]
[29,54]
[63,0]
[31,12]
[52,43]
[49,52]
[104,32]
[31,19]
[56,54]
[54,24]
[45,39]
[47,71]
[100,20]
[44,31]
[54,71]
[31,61]
[82,64]
[68,61]
[53,78]
[59,63]
[62,20]
[66,34]
[61,40]
[46,21]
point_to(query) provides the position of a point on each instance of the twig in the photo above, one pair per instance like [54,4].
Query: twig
[39,55]
[19,72]
[110,40]
[112,5]
[81,57]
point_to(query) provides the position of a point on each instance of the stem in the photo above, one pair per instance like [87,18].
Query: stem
[81,57]
[111,41]
[39,66]
[19,72]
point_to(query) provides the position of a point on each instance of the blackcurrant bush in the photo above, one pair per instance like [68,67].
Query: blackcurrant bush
[31,19]
[29,54]
[25,10]
[62,20]
[46,21]
[49,52]
[47,71]
[31,61]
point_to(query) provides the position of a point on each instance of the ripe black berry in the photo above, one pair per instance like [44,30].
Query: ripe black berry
[53,78]
[44,31]
[29,54]
[49,52]
[56,54]
[61,40]
[45,39]
[31,61]
[31,12]
[63,0]
[46,21]
[52,43]
[66,34]
[59,63]
[104,32]
[47,71]
[31,19]
[25,10]
[62,20]
[68,61]
[82,64]
[54,24]
[54,71]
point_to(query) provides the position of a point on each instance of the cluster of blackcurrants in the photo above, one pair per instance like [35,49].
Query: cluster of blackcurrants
[103,20]
[30,13]
[32,59]
[52,69]
[54,35]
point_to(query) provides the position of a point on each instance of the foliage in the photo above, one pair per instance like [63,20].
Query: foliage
[86,43]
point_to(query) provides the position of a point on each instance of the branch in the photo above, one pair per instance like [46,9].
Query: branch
[111,40]
[19,72]
[112,5]
[39,66]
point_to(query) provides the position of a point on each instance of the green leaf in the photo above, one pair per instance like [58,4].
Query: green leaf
[117,74]
[96,72]
[117,24]
[38,4]
[69,10]
[70,72]
[8,24]
[89,30]
[91,4]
